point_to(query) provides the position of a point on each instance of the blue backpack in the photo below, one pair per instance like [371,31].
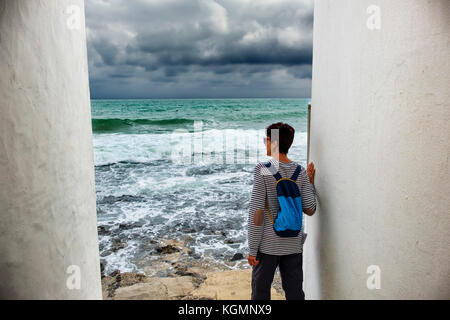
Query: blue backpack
[290,215]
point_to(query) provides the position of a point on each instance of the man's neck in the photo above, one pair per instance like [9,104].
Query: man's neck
[282,157]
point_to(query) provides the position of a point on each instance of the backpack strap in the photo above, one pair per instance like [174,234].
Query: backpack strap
[270,214]
[296,173]
[277,177]
[272,170]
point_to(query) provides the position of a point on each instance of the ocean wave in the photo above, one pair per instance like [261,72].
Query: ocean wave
[222,120]
[135,125]
[146,148]
[130,163]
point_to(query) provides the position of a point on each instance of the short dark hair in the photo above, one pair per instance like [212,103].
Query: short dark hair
[286,135]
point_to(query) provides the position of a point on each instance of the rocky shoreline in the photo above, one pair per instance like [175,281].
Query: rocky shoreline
[176,276]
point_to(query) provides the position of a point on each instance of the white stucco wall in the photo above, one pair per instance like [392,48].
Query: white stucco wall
[380,139]
[47,193]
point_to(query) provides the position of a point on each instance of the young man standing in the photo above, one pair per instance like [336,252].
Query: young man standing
[267,250]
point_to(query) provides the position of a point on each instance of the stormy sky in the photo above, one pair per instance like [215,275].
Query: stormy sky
[199,48]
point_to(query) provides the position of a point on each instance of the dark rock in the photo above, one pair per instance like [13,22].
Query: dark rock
[105,253]
[102,230]
[237,256]
[102,268]
[114,273]
[184,270]
[181,270]
[167,249]
[196,256]
[116,245]
[129,278]
[116,280]
[128,226]
[123,198]
[229,241]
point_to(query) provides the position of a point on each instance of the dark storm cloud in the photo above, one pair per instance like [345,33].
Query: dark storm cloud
[195,48]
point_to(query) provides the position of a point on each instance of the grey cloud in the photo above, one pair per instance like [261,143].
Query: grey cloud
[187,45]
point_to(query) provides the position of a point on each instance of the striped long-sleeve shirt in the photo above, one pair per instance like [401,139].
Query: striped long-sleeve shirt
[263,238]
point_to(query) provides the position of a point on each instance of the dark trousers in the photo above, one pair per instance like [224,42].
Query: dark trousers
[291,272]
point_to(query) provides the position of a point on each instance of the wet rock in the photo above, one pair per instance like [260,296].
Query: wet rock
[118,280]
[117,244]
[114,273]
[182,270]
[123,198]
[109,286]
[102,230]
[167,249]
[128,226]
[229,241]
[172,246]
[198,274]
[237,256]
[105,253]
[196,256]
[130,278]
[172,258]
[102,268]
[124,226]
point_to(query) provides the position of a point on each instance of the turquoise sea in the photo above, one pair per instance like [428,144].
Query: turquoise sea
[168,168]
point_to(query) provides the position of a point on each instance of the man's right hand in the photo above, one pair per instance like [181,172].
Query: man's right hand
[252,260]
[311,172]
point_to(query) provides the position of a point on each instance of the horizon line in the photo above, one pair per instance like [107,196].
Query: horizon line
[204,98]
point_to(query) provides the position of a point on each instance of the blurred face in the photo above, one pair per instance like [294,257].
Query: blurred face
[270,147]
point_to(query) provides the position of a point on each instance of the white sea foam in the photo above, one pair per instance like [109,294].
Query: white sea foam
[232,146]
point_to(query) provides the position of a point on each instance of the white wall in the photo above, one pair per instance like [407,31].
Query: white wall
[47,193]
[380,141]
